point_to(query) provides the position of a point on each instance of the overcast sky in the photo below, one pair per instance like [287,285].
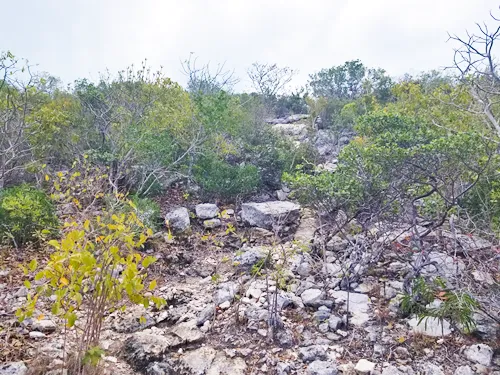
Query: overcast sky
[76,38]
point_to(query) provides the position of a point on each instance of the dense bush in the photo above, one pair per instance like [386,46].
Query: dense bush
[399,162]
[24,213]
[218,178]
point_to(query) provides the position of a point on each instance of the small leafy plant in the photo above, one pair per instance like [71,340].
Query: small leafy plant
[25,212]
[454,305]
[93,271]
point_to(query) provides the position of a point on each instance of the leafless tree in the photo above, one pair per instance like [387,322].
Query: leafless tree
[478,67]
[269,79]
[17,97]
[205,80]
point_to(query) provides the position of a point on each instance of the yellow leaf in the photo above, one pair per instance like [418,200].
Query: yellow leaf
[40,317]
[401,339]
[152,285]
[86,225]
[47,177]
[64,281]
[54,243]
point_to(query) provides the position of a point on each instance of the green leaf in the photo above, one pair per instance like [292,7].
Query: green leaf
[27,284]
[33,265]
[152,285]
[71,318]
[148,261]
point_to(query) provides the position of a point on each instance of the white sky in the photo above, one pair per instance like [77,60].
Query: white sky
[80,38]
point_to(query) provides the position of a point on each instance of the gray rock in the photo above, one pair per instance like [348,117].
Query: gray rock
[337,244]
[304,269]
[359,306]
[37,335]
[251,256]
[296,132]
[270,215]
[206,211]
[188,332]
[430,369]
[142,348]
[325,142]
[431,327]
[321,315]
[13,368]
[312,353]
[135,319]
[256,314]
[311,297]
[178,219]
[391,370]
[284,338]
[21,292]
[463,370]
[443,265]
[202,361]
[212,223]
[334,322]
[284,368]
[206,314]
[321,368]
[307,228]
[323,327]
[288,120]
[364,367]
[281,195]
[44,325]
[479,353]
[226,292]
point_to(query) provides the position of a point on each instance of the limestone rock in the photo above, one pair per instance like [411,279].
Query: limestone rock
[187,332]
[463,370]
[321,368]
[284,338]
[479,353]
[359,305]
[311,297]
[142,348]
[13,368]
[270,215]
[430,369]
[325,143]
[334,322]
[206,314]
[44,325]
[307,228]
[206,211]
[226,292]
[212,223]
[431,327]
[295,131]
[364,367]
[251,256]
[391,370]
[312,353]
[202,361]
[178,219]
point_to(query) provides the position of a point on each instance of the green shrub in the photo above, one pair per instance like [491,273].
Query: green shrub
[457,306]
[25,212]
[218,178]
[146,210]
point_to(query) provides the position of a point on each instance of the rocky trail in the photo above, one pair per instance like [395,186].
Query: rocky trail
[276,307]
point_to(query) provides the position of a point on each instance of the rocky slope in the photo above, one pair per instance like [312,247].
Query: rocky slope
[260,297]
